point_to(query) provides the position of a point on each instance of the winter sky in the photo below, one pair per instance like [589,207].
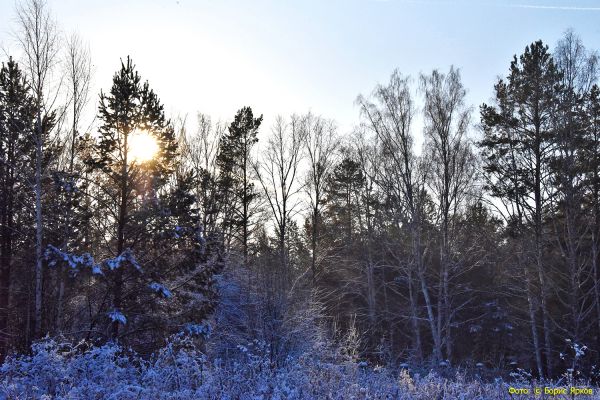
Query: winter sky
[284,56]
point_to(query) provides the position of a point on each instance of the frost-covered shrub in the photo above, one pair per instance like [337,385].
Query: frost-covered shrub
[36,375]
[181,371]
[67,371]
[179,365]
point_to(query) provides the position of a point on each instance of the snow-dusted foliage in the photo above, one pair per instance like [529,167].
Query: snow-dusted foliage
[75,261]
[117,316]
[180,370]
[125,256]
[202,330]
[160,289]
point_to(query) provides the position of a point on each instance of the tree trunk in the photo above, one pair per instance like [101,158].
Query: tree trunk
[437,347]
[417,347]
[313,244]
[118,281]
[37,331]
[533,325]
[5,266]
[6,250]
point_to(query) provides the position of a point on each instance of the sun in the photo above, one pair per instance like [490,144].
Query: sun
[142,147]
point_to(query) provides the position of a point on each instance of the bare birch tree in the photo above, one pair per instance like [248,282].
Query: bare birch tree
[389,115]
[78,72]
[321,145]
[368,155]
[579,72]
[278,175]
[38,37]
[452,173]
[199,152]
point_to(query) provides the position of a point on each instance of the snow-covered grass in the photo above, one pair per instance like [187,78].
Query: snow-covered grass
[181,371]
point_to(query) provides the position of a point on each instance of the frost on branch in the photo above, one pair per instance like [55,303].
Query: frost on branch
[54,255]
[75,262]
[202,330]
[117,316]
[160,289]
[126,255]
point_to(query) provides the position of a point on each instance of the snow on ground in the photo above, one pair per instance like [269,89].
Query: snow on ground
[180,371]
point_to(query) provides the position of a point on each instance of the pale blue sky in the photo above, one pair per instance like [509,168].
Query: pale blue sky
[290,56]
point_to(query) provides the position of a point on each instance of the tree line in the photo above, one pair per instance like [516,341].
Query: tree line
[479,248]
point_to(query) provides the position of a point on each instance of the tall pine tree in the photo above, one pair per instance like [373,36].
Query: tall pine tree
[132,187]
[236,178]
[518,144]
[17,122]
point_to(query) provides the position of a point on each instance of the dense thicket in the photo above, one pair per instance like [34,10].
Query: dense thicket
[479,248]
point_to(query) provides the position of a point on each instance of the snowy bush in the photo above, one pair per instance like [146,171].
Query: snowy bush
[181,370]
